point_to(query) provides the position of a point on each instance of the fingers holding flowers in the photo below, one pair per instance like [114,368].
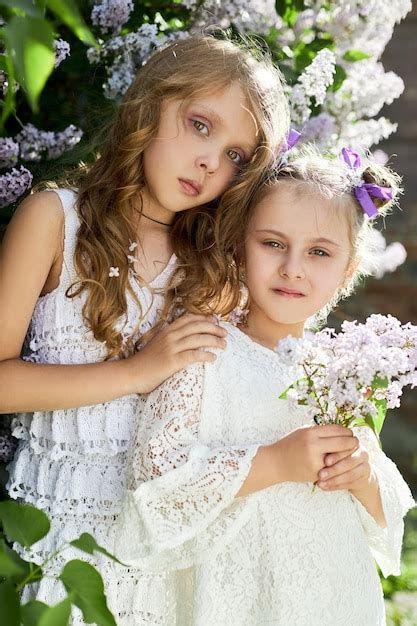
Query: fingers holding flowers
[352,471]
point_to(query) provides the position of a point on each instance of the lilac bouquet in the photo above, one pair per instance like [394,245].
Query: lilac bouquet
[352,377]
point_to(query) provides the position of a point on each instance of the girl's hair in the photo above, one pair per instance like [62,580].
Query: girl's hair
[109,192]
[310,172]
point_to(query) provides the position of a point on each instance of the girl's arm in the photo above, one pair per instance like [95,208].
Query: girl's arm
[30,265]
[297,457]
[180,505]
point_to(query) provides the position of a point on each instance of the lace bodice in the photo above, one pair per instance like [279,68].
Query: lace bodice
[284,555]
[72,462]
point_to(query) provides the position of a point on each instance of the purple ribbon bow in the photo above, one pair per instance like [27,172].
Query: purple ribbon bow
[366,191]
[292,139]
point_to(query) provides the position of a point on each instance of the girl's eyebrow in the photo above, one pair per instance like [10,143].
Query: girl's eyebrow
[316,240]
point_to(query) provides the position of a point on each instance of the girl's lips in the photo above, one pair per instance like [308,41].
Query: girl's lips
[191,187]
[287,293]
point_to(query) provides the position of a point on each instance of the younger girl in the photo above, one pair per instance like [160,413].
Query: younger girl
[221,498]
[84,270]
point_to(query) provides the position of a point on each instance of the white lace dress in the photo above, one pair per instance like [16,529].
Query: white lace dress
[72,462]
[286,555]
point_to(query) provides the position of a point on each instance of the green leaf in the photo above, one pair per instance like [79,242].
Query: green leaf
[284,394]
[9,603]
[355,55]
[32,612]
[29,43]
[12,566]
[23,522]
[88,544]
[8,105]
[339,77]
[382,406]
[289,10]
[57,615]
[26,6]
[69,13]
[23,6]
[379,383]
[85,585]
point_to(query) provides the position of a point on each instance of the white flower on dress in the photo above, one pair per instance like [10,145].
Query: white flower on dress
[114,272]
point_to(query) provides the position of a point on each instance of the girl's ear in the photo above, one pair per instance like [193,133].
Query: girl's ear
[352,267]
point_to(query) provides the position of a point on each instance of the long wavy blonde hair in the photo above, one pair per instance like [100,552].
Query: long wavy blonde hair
[109,192]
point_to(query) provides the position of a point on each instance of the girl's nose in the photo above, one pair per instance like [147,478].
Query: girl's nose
[291,268]
[209,162]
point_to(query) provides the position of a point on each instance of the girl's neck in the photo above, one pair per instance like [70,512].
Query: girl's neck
[268,333]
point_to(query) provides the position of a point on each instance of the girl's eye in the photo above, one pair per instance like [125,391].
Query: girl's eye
[201,127]
[235,157]
[319,252]
[273,244]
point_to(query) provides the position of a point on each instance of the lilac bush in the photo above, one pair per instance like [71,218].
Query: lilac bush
[329,52]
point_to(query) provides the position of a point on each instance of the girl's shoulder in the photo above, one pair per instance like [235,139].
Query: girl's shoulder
[242,352]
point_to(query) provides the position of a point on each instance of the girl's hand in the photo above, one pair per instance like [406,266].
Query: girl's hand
[300,454]
[355,473]
[346,471]
[183,342]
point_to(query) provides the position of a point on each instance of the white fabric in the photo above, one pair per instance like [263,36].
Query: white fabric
[284,555]
[72,462]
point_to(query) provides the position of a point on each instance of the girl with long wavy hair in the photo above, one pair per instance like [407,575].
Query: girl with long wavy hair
[82,276]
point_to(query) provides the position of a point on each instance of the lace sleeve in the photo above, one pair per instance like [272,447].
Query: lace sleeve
[385,543]
[180,504]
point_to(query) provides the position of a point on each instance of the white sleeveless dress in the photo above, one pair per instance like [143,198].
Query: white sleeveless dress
[72,462]
[284,556]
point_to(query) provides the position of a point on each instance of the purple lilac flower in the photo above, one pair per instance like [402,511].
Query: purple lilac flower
[36,144]
[111,15]
[13,184]
[62,50]
[351,371]
[9,151]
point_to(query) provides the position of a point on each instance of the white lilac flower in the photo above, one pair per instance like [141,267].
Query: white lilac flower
[380,157]
[36,144]
[346,374]
[393,256]
[189,4]
[300,105]
[305,20]
[111,15]
[384,258]
[133,245]
[256,16]
[9,151]
[364,95]
[364,133]
[319,130]
[13,184]
[114,272]
[62,50]
[318,75]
